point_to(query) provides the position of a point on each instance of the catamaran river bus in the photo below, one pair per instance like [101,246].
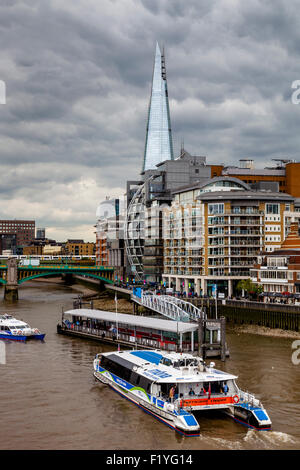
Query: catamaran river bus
[171,386]
[17,330]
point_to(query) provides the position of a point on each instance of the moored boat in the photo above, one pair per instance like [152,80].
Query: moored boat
[17,330]
[173,386]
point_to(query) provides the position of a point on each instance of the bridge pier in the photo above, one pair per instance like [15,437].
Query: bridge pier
[11,287]
[68,278]
[11,293]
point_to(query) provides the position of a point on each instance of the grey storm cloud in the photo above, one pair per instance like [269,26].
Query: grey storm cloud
[78,78]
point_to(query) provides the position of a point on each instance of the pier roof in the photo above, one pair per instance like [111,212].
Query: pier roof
[153,323]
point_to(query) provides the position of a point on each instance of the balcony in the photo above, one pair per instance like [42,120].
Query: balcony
[244,212]
[234,232]
[246,222]
[247,243]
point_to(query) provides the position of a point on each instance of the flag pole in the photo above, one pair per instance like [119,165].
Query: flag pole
[116,301]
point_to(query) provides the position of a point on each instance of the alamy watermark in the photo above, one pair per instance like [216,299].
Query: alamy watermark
[296,353]
[296,93]
[2,353]
[2,92]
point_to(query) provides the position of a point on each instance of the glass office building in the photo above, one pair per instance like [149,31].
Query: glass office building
[158,145]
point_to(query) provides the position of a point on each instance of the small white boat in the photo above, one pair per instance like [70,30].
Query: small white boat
[147,377]
[17,330]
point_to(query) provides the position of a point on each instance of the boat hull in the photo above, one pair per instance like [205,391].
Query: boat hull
[13,337]
[22,337]
[165,420]
[38,336]
[249,416]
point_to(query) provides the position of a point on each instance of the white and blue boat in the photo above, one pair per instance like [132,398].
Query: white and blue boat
[146,378]
[17,330]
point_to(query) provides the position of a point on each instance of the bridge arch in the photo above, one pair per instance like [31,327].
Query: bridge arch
[44,274]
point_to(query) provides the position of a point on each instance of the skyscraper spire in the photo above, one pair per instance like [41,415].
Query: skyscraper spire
[158,145]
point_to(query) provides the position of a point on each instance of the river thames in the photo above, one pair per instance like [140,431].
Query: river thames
[50,400]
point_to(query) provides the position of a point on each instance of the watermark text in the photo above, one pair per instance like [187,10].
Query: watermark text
[296,93]
[2,92]
[2,353]
[296,353]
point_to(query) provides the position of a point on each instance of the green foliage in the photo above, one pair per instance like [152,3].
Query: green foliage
[249,287]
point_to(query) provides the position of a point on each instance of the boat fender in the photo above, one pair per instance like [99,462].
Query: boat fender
[235,399]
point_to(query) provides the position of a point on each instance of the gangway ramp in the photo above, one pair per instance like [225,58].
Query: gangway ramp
[168,306]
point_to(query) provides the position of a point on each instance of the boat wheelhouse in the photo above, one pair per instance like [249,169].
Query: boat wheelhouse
[172,386]
[17,330]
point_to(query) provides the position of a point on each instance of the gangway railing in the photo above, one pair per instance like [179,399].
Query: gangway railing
[193,312]
[171,307]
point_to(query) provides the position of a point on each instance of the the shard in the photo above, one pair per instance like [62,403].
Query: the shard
[158,145]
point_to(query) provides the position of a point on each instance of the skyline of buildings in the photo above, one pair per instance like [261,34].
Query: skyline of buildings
[19,237]
[190,224]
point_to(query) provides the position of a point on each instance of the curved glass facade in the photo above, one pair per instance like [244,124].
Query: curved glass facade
[134,233]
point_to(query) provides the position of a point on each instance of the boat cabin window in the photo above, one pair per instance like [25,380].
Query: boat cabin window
[215,387]
[115,368]
[185,363]
[166,361]
[165,390]
[145,384]
[139,380]
[126,373]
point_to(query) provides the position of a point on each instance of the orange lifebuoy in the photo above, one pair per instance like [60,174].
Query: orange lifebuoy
[235,399]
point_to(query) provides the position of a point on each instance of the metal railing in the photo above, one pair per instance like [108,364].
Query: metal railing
[169,306]
[113,336]
[272,306]
[249,399]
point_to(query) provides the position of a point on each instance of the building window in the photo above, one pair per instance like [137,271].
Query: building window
[272,208]
[216,208]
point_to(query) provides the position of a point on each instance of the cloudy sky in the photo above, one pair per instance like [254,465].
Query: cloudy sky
[78,76]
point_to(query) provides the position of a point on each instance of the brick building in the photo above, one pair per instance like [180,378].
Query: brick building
[15,234]
[279,272]
[79,248]
[285,174]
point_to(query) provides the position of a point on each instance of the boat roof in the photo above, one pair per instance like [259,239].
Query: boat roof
[9,320]
[147,363]
[153,323]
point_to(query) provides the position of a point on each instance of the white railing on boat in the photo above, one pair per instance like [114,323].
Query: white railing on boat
[246,397]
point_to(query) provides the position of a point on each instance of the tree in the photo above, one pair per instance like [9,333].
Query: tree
[249,287]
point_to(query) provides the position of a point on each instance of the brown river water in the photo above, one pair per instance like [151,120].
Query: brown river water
[50,400]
